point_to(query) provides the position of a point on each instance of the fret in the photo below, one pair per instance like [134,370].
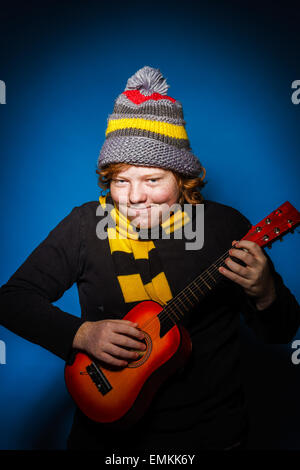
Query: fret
[205,283]
[192,293]
[182,313]
[188,299]
[197,287]
[172,312]
[201,285]
[211,276]
[178,298]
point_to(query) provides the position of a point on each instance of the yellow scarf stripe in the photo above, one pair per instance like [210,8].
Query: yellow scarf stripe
[141,248]
[117,241]
[123,225]
[123,238]
[135,291]
[176,221]
[159,289]
[102,200]
[170,130]
[132,288]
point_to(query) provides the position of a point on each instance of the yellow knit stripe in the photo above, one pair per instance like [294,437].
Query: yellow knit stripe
[123,225]
[102,200]
[152,294]
[117,216]
[117,241]
[176,221]
[132,288]
[140,249]
[120,220]
[159,289]
[171,130]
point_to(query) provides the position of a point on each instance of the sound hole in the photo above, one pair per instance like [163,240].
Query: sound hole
[143,354]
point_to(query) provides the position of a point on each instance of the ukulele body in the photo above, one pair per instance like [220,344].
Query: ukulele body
[120,396]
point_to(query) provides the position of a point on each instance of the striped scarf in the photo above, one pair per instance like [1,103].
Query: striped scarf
[136,262]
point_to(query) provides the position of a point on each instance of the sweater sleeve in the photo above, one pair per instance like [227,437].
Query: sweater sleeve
[26,299]
[279,322]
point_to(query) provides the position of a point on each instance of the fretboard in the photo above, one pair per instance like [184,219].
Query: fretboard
[192,294]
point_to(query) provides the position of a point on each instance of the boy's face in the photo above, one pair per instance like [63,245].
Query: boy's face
[144,194]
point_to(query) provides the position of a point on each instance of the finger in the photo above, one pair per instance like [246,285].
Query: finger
[246,257]
[252,247]
[125,322]
[125,341]
[242,281]
[237,268]
[108,359]
[122,353]
[128,330]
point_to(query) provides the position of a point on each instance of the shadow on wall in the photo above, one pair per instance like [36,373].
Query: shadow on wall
[272,387]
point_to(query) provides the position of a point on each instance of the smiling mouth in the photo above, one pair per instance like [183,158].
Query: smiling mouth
[139,209]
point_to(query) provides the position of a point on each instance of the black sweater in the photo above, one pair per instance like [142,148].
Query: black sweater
[199,407]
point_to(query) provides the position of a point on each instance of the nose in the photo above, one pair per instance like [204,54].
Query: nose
[137,194]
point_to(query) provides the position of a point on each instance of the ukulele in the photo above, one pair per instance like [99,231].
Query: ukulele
[120,396]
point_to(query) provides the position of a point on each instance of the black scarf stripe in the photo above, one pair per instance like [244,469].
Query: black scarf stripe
[125,264]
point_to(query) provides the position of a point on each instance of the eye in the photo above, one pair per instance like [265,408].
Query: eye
[119,181]
[153,180]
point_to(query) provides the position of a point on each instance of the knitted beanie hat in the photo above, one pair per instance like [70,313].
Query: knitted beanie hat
[147,127]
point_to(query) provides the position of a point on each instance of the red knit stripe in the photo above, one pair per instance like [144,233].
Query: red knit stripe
[137,97]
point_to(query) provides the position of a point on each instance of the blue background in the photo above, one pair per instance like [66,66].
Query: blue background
[64,63]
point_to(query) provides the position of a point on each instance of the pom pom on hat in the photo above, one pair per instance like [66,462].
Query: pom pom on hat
[148,80]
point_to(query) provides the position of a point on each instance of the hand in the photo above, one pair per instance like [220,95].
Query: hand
[255,278]
[107,340]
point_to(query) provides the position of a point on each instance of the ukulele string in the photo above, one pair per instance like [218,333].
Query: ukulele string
[193,288]
[204,277]
[175,310]
[153,330]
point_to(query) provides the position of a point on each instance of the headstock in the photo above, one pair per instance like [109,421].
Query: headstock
[274,226]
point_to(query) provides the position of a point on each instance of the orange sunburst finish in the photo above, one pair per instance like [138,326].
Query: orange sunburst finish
[133,386]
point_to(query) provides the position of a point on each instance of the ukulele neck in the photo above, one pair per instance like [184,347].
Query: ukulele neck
[191,295]
[271,228]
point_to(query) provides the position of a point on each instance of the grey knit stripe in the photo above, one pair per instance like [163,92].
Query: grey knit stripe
[130,131]
[150,109]
[148,152]
[136,115]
